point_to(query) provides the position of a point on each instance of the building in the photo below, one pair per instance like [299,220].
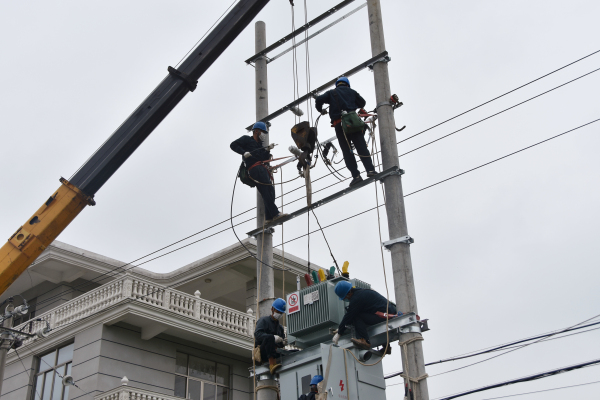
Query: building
[182,334]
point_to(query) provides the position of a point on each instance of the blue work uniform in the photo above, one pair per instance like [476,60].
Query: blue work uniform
[364,303]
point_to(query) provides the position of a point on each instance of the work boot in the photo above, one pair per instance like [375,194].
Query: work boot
[356,180]
[280,215]
[361,344]
[273,366]
[371,174]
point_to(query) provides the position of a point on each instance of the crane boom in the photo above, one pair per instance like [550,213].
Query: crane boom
[28,242]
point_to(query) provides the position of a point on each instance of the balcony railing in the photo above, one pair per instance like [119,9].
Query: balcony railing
[130,393]
[133,289]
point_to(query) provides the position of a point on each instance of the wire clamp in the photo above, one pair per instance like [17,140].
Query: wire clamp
[404,239]
[190,83]
[385,59]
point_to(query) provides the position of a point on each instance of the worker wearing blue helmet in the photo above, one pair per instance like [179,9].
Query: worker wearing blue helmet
[343,98]
[269,334]
[255,155]
[366,308]
[313,388]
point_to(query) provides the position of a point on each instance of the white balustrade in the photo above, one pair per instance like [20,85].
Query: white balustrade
[129,393]
[129,288]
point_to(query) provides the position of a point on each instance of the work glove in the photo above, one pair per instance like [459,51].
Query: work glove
[324,112]
[278,339]
[271,146]
[336,338]
[247,155]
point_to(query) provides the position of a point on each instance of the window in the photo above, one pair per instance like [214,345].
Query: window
[200,379]
[48,385]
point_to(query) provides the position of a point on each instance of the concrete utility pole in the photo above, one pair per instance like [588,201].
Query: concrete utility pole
[404,286]
[5,341]
[264,244]
[265,275]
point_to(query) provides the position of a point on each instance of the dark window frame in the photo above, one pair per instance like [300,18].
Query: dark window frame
[42,369]
[203,381]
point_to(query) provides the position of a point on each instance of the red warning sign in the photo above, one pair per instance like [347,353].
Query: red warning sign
[293,303]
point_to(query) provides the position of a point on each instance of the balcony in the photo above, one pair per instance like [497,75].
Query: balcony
[129,393]
[155,309]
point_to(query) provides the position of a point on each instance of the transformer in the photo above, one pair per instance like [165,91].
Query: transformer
[312,312]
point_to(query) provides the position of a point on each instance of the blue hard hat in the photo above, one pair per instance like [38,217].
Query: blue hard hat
[342,289]
[260,125]
[279,305]
[342,79]
[316,379]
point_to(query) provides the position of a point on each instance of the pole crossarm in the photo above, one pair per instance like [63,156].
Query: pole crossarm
[298,31]
[337,21]
[328,199]
[318,90]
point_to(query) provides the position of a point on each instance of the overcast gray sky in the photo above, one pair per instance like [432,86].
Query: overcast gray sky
[502,253]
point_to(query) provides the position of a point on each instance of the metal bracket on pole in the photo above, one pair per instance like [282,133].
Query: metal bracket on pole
[398,172]
[415,328]
[260,232]
[385,59]
[404,239]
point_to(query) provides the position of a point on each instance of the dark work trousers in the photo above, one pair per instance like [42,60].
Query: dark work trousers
[267,191]
[268,348]
[361,148]
[364,320]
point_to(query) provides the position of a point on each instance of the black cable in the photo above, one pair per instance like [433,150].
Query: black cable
[504,346]
[498,159]
[179,241]
[540,391]
[500,112]
[496,98]
[529,378]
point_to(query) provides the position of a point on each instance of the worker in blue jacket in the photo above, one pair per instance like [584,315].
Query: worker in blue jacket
[255,154]
[367,307]
[343,98]
[269,334]
[313,388]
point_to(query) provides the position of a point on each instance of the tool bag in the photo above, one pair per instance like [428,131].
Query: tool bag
[244,175]
[351,122]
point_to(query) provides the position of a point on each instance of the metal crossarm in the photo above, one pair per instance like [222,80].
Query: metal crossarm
[300,30]
[315,92]
[316,204]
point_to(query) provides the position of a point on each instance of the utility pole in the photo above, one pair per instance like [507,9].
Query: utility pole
[404,285]
[5,341]
[264,241]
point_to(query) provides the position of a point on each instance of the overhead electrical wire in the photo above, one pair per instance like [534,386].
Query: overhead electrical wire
[445,136]
[529,378]
[498,97]
[508,346]
[409,194]
[541,391]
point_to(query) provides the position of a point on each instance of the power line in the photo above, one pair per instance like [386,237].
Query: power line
[507,346]
[529,378]
[502,95]
[540,391]
[498,113]
[107,274]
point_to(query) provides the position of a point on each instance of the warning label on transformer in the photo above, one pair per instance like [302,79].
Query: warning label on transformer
[311,297]
[293,303]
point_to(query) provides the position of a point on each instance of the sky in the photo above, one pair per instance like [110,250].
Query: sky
[502,253]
